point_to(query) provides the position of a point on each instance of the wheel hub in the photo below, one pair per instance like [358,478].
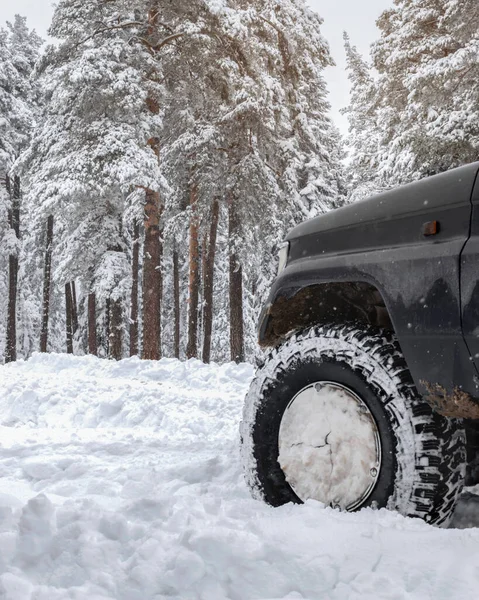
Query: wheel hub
[329,446]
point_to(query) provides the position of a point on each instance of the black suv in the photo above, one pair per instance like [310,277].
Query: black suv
[370,396]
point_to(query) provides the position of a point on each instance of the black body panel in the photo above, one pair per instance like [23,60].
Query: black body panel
[381,242]
[470,282]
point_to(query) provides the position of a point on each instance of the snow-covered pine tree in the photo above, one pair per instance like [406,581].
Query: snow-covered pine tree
[245,134]
[425,99]
[208,70]
[247,125]
[7,72]
[221,84]
[362,141]
[303,53]
[91,150]
[19,48]
[443,100]
[288,168]
[410,36]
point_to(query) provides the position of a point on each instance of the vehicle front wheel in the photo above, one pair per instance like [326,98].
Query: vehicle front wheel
[334,416]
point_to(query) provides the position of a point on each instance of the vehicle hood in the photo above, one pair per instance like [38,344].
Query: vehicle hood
[421,197]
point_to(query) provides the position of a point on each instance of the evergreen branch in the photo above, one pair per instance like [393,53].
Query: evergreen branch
[171,38]
[108,28]
[157,47]
[164,25]
[277,173]
[271,24]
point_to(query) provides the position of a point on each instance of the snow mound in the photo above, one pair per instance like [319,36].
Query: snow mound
[63,391]
[122,481]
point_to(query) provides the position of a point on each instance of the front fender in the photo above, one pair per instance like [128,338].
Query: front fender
[420,293]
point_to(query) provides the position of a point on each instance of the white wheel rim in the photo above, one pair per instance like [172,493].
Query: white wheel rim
[329,446]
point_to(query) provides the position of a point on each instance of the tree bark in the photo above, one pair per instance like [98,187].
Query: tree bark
[176,299]
[152,250]
[47,283]
[74,308]
[194,283]
[92,341]
[116,329]
[107,326]
[14,222]
[135,265]
[201,291]
[208,278]
[69,317]
[235,287]
[152,278]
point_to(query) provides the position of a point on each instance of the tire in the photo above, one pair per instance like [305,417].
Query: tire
[423,454]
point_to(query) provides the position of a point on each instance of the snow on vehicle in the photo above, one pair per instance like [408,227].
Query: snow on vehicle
[370,396]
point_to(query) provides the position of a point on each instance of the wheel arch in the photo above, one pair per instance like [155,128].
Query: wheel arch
[356,302]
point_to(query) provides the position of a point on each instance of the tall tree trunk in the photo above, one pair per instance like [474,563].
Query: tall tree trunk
[11,342]
[116,329]
[92,341]
[208,278]
[152,251]
[107,326]
[47,283]
[152,278]
[74,308]
[176,298]
[235,287]
[201,293]
[135,266]
[194,283]
[14,222]
[69,317]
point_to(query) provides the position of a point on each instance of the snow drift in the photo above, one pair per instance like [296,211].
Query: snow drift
[123,481]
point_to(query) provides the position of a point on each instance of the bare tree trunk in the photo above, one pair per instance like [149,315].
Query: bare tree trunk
[194,283]
[11,342]
[152,251]
[135,266]
[201,291]
[176,297]
[235,288]
[47,282]
[92,341]
[107,326]
[208,277]
[152,278]
[69,317]
[74,308]
[116,329]
[14,222]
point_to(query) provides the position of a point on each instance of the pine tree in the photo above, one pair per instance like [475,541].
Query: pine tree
[362,139]
[443,100]
[91,150]
[232,148]
[248,116]
[19,49]
[286,147]
[423,105]
[408,33]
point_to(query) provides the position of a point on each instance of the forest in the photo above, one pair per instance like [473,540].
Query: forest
[154,154]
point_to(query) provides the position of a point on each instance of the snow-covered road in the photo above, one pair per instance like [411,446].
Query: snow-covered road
[122,480]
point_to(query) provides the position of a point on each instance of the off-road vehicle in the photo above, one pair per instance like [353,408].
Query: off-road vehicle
[370,395]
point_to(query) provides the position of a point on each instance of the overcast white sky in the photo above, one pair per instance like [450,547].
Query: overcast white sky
[357,17]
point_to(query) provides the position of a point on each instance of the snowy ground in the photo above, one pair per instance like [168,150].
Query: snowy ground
[122,480]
